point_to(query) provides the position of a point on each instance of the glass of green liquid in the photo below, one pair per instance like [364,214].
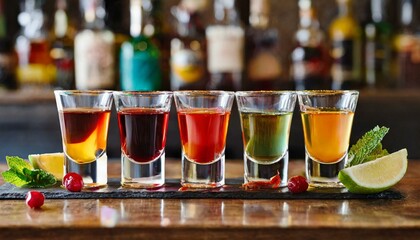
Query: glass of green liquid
[266,117]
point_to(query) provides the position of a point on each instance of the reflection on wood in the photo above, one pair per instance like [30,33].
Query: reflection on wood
[219,218]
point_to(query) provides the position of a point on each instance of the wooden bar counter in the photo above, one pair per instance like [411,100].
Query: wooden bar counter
[218,218]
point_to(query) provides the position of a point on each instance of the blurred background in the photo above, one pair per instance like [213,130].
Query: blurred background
[369,45]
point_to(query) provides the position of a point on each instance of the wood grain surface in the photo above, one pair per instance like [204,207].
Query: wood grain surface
[218,218]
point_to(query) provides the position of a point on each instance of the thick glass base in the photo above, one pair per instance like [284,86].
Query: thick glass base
[196,175]
[142,175]
[255,171]
[323,175]
[94,173]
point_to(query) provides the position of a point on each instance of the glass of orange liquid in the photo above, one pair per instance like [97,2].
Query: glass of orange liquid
[203,118]
[327,119]
[84,119]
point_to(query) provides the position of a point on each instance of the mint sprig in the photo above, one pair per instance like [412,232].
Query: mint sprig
[22,174]
[368,147]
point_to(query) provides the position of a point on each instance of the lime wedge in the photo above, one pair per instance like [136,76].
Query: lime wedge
[50,162]
[377,175]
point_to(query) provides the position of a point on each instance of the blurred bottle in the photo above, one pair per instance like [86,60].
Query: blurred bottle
[263,65]
[378,47]
[139,57]
[188,47]
[158,29]
[117,21]
[8,58]
[225,48]
[310,59]
[62,50]
[152,18]
[94,49]
[36,68]
[345,36]
[407,45]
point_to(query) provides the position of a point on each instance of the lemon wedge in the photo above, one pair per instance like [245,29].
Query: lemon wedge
[50,162]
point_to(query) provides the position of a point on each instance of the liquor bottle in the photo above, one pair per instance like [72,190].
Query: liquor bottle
[263,66]
[35,67]
[118,22]
[407,45]
[188,48]
[310,60]
[94,49]
[152,18]
[378,47]
[159,31]
[139,57]
[345,36]
[62,50]
[8,58]
[225,48]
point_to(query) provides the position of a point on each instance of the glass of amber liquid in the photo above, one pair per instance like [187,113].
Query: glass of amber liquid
[84,119]
[266,117]
[143,120]
[327,118]
[203,118]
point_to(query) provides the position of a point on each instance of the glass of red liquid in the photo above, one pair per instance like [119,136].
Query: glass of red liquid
[84,119]
[143,120]
[203,118]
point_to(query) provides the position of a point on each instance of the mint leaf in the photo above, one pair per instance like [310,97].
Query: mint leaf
[21,174]
[40,178]
[12,177]
[367,147]
[376,153]
[17,163]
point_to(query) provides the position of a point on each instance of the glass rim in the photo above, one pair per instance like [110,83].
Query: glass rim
[264,93]
[142,93]
[203,93]
[327,92]
[79,92]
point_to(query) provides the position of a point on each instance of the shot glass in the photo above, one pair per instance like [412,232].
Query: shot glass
[266,117]
[203,118]
[327,118]
[143,121]
[84,119]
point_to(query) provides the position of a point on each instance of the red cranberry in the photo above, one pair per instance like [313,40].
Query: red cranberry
[297,184]
[73,182]
[34,199]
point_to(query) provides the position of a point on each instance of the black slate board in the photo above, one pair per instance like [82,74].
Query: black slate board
[232,190]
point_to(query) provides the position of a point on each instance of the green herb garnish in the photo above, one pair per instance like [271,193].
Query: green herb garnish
[22,174]
[368,147]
